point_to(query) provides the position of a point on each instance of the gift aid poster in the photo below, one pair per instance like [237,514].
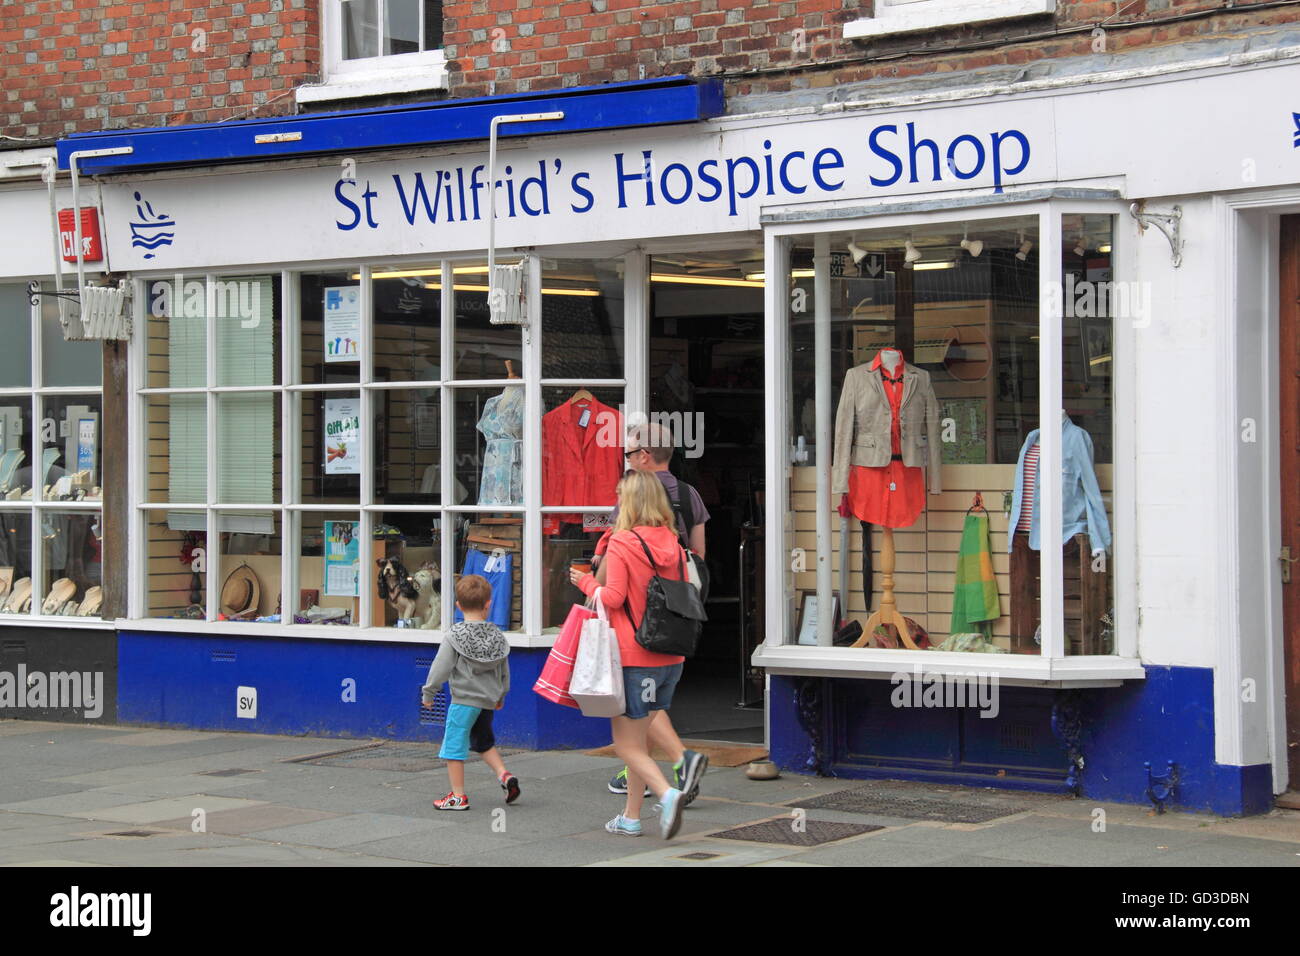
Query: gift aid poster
[342,436]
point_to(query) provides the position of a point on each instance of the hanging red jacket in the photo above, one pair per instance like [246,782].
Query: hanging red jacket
[582,455]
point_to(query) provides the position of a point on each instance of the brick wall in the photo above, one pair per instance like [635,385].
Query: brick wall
[72,65]
[506,46]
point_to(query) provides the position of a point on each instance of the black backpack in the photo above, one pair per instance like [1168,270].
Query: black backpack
[684,508]
[674,612]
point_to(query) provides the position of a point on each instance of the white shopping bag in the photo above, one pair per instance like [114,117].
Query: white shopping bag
[597,683]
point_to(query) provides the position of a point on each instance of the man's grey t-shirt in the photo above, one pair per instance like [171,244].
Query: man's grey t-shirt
[670,483]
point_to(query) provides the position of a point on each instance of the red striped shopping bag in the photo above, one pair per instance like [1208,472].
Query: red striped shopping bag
[553,684]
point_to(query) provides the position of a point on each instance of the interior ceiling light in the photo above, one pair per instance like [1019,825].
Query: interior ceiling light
[703,280]
[1104,249]
[794,274]
[1080,249]
[910,254]
[973,246]
[857,252]
[417,273]
[940,264]
[1025,245]
[459,287]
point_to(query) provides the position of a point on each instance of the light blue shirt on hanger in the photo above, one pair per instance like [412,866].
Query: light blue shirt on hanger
[1081,505]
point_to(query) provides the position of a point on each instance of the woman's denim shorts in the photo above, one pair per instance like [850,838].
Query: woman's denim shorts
[649,688]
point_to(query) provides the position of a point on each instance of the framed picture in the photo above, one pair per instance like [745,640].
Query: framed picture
[1097,337]
[807,629]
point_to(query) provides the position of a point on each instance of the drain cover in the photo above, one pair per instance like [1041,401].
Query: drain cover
[405,758]
[135,833]
[225,773]
[698,855]
[910,805]
[809,832]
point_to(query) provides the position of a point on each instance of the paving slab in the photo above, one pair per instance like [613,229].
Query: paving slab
[451,845]
[251,820]
[676,852]
[169,808]
[69,804]
[163,738]
[351,830]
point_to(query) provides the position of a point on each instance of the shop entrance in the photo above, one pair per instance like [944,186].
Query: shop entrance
[1289,398]
[705,379]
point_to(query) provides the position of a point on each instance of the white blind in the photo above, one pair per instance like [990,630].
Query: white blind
[187,442]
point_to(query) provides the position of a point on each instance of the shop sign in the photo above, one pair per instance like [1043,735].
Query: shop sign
[91,247]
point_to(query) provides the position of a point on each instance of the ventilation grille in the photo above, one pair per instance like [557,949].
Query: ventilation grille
[224,657]
[436,713]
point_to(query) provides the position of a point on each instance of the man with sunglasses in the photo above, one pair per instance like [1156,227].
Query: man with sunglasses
[650,448]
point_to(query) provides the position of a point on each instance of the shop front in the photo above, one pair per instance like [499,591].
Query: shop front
[58,656]
[873,331]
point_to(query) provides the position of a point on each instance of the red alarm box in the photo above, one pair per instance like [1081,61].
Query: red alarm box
[92,248]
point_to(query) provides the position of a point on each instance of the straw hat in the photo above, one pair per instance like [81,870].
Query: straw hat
[241,591]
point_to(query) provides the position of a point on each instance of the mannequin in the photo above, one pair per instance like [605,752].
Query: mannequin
[886,433]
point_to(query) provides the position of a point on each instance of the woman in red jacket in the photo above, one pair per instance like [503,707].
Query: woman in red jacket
[648,678]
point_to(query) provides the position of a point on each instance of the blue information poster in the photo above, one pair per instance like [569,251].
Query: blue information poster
[342,559]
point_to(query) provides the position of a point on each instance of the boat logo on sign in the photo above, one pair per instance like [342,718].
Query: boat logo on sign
[150,229]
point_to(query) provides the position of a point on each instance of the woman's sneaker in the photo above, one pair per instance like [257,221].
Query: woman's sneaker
[618,783]
[670,813]
[689,773]
[622,826]
[510,784]
[452,801]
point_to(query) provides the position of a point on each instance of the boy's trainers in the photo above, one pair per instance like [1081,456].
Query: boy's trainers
[622,826]
[691,773]
[618,783]
[452,801]
[510,784]
[670,813]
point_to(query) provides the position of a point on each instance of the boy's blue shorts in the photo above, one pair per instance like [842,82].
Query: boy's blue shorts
[468,728]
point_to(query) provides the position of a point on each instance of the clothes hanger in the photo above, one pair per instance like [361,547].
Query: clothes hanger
[977,502]
[581,395]
[510,368]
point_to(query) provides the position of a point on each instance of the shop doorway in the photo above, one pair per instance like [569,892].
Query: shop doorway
[705,378]
[1289,457]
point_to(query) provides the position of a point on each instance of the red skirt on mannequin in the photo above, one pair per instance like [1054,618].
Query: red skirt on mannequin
[891,497]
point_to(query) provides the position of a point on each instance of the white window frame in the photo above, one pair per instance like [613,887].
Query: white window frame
[912,16]
[1052,667]
[372,76]
[290,508]
[36,506]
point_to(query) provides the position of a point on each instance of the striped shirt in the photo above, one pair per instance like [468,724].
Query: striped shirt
[1029,491]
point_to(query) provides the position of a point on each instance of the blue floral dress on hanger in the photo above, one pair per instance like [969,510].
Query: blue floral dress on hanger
[502,424]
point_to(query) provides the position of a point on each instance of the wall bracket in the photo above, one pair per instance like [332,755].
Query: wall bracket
[1169,223]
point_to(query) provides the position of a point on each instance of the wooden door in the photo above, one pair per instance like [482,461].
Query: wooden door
[1289,400]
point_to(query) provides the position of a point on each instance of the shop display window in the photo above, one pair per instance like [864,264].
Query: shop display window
[491,545]
[931,341]
[331,326]
[481,349]
[51,443]
[408,322]
[335,562]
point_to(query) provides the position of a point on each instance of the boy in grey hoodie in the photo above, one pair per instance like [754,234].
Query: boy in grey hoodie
[473,657]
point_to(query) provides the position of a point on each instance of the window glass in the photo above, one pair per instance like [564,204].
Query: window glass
[334,564]
[490,545]
[175,562]
[16,560]
[176,333]
[408,449]
[923,463]
[482,349]
[67,363]
[582,319]
[176,459]
[582,446]
[488,444]
[72,564]
[360,28]
[16,318]
[330,440]
[248,447]
[410,545]
[71,442]
[332,326]
[250,567]
[15,447]
[401,26]
[1091,303]
[247,317]
[408,327]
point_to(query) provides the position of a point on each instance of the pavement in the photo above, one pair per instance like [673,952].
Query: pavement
[97,795]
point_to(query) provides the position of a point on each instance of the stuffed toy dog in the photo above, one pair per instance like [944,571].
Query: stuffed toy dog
[411,595]
[397,587]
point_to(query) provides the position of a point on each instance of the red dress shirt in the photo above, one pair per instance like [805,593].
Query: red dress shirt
[581,465]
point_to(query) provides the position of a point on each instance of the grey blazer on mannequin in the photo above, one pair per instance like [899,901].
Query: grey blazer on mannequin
[862,426]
